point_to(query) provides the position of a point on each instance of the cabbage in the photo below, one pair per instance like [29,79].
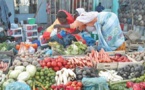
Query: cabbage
[23,76]
[7,82]
[31,69]
[14,74]
[21,68]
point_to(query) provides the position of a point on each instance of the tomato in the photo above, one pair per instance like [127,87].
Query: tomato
[64,62]
[66,66]
[53,86]
[75,88]
[69,83]
[43,64]
[56,68]
[79,84]
[53,63]
[79,88]
[74,82]
[48,64]
[59,64]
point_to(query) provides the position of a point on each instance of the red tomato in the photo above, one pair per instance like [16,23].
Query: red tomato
[79,88]
[64,62]
[59,64]
[79,84]
[43,64]
[56,68]
[48,64]
[75,88]
[74,82]
[69,83]
[53,63]
[53,86]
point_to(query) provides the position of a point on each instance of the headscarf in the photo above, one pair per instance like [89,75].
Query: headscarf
[86,17]
[70,20]
[80,10]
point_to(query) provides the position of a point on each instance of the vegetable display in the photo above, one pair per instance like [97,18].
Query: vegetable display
[72,85]
[43,79]
[64,76]
[85,72]
[76,48]
[120,58]
[138,56]
[54,63]
[131,71]
[6,46]
[110,75]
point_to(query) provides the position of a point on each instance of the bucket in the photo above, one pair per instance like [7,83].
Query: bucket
[31,20]
[94,35]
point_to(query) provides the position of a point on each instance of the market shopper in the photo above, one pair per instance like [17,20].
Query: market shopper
[110,35]
[63,17]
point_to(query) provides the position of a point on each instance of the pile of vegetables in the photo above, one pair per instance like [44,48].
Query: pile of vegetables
[136,86]
[43,79]
[57,48]
[138,56]
[79,61]
[26,59]
[131,71]
[6,46]
[76,48]
[110,75]
[21,73]
[27,45]
[100,57]
[54,63]
[120,58]
[72,85]
[64,75]
[4,65]
[85,72]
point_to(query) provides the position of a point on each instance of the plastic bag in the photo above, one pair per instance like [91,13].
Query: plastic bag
[17,86]
[99,83]
[54,32]
[31,50]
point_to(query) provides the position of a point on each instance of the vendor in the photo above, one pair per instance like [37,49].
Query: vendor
[110,35]
[63,17]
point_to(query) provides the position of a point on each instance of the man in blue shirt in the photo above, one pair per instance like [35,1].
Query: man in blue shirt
[99,8]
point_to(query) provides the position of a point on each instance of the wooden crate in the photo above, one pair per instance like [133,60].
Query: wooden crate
[102,66]
[116,52]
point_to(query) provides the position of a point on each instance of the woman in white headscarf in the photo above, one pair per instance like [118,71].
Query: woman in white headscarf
[107,25]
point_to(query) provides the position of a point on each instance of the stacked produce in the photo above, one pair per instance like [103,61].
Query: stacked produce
[120,58]
[43,79]
[76,48]
[64,75]
[54,63]
[72,85]
[26,59]
[131,71]
[6,46]
[100,57]
[85,72]
[110,75]
[138,56]
[79,61]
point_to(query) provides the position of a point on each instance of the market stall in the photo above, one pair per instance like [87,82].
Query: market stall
[70,68]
